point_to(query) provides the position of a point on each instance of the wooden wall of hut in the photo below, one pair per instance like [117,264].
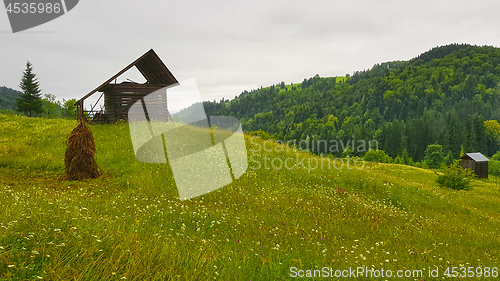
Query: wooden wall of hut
[479,168]
[118,98]
[110,106]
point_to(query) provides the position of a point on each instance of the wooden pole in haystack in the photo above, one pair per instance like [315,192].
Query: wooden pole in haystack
[79,158]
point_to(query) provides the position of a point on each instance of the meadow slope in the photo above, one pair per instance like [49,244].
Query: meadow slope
[130,224]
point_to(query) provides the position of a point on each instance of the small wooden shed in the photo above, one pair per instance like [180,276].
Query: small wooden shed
[118,97]
[476,162]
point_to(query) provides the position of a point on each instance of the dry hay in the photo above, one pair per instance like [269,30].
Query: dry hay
[79,157]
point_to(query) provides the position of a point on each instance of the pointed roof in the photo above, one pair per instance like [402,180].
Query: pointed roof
[150,66]
[476,156]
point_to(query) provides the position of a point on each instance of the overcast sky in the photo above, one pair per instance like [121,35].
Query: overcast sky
[232,46]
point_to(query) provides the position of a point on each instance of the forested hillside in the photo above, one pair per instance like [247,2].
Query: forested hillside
[443,96]
[8,98]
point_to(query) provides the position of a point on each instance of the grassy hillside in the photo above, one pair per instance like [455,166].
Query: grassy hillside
[130,224]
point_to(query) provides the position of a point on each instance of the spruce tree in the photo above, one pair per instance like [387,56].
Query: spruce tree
[453,134]
[30,101]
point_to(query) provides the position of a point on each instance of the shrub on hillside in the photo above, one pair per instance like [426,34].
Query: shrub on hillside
[455,177]
[434,156]
[404,158]
[494,165]
[377,156]
[8,112]
[261,134]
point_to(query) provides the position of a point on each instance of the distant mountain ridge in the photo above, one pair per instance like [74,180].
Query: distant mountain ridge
[441,96]
[439,52]
[8,98]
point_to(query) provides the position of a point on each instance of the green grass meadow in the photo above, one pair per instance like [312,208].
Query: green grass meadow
[131,225]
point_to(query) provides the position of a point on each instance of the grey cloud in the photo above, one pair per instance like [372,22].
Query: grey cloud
[229,46]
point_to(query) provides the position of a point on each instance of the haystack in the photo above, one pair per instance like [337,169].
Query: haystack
[79,158]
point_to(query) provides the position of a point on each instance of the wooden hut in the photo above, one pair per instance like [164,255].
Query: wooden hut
[476,162]
[118,97]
